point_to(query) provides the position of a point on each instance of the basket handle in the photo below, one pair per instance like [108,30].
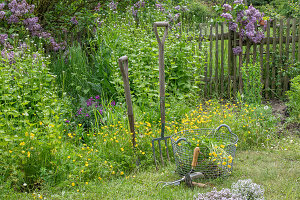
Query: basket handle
[224,125]
[182,139]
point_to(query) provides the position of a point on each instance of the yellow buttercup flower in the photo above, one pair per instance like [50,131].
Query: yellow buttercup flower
[122,149]
[121,173]
[73,184]
[229,166]
[224,163]
[222,146]
[22,143]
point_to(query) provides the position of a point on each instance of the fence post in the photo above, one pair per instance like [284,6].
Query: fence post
[285,83]
[273,57]
[230,60]
[217,60]
[222,60]
[268,61]
[210,59]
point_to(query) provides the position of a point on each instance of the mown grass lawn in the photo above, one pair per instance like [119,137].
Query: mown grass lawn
[276,169]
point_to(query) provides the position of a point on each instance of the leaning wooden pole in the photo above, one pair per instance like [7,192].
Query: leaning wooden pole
[123,64]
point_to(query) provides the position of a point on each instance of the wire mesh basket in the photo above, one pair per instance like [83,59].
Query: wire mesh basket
[217,151]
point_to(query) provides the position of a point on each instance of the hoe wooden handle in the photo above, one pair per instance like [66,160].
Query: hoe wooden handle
[195,157]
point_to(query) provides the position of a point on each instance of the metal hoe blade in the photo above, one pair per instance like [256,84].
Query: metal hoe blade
[187,179]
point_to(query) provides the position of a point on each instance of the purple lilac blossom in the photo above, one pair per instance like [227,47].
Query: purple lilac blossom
[237,50]
[113,5]
[2,6]
[238,2]
[259,36]
[74,20]
[184,8]
[3,38]
[232,26]
[240,15]
[23,46]
[67,121]
[227,7]
[13,19]
[7,45]
[176,16]
[226,16]
[3,53]
[159,7]
[178,24]
[177,8]
[97,8]
[97,97]
[139,4]
[134,12]
[2,14]
[101,111]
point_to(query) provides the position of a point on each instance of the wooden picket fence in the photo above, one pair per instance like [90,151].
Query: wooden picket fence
[277,52]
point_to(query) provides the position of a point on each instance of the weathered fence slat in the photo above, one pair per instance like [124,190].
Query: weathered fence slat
[273,57]
[285,83]
[261,61]
[293,39]
[234,64]
[210,59]
[273,54]
[280,54]
[230,61]
[267,61]
[217,62]
[240,65]
[222,60]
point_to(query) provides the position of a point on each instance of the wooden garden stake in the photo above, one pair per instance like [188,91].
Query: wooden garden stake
[123,64]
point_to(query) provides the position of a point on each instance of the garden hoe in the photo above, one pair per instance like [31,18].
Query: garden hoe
[123,64]
[190,176]
[161,92]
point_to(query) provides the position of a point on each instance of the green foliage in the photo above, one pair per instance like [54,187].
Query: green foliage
[199,12]
[74,74]
[294,98]
[252,90]
[31,120]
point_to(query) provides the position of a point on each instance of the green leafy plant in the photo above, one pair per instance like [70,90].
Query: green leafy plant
[294,98]
[252,90]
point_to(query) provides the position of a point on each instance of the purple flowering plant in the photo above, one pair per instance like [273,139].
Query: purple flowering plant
[92,111]
[247,21]
[17,18]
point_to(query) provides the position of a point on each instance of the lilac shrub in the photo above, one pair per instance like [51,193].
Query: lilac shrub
[18,14]
[244,20]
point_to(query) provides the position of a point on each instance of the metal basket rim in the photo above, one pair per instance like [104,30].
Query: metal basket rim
[222,125]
